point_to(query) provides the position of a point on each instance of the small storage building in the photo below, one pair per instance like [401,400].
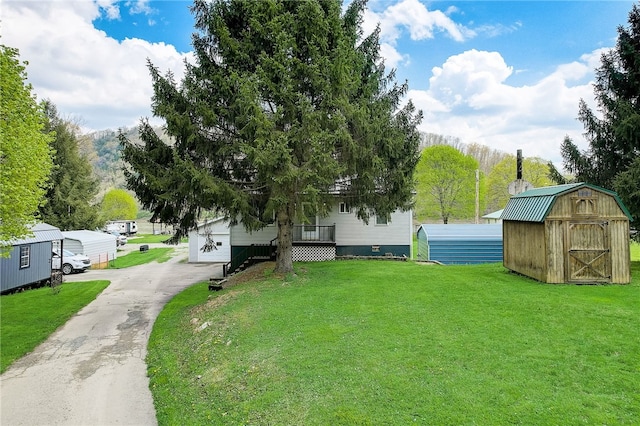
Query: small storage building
[210,242]
[460,244]
[29,260]
[99,246]
[574,233]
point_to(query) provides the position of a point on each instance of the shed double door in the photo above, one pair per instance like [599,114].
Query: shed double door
[589,252]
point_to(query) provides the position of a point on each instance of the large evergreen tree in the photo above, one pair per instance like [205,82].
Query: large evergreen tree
[287,107]
[25,156]
[70,199]
[614,133]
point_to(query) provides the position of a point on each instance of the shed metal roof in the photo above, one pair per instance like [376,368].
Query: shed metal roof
[534,205]
[494,215]
[463,232]
[88,236]
[40,232]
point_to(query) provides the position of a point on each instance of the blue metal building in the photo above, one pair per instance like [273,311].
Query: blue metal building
[29,261]
[460,244]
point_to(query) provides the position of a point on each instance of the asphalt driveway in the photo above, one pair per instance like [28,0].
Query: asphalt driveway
[92,370]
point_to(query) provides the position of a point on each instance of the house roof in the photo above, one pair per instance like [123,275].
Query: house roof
[41,232]
[534,205]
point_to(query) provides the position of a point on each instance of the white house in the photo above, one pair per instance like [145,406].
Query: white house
[341,233]
[99,246]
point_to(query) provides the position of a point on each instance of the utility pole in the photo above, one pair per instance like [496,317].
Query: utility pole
[477,196]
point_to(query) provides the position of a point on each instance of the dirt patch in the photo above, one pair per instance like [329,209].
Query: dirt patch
[256,272]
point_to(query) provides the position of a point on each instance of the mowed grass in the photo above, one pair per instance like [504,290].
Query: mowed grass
[151,238]
[394,343]
[160,255]
[635,252]
[28,318]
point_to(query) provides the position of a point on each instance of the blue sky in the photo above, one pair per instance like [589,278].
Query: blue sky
[506,74]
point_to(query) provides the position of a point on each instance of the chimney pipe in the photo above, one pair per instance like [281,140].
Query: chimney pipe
[519,166]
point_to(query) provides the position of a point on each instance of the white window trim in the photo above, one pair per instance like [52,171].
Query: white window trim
[378,223]
[344,208]
[24,256]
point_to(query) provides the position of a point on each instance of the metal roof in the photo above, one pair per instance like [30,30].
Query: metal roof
[462,232]
[534,205]
[494,215]
[86,236]
[40,232]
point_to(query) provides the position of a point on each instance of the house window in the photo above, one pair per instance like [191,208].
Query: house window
[25,256]
[381,220]
[344,208]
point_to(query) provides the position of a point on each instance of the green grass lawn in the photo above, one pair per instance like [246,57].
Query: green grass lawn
[28,318]
[134,258]
[368,343]
[150,238]
[635,252]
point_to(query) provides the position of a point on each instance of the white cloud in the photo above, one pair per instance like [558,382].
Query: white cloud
[140,6]
[469,97]
[96,79]
[412,17]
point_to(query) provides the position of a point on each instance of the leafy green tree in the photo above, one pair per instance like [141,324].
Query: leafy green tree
[287,107]
[446,182]
[534,170]
[25,155]
[614,133]
[118,204]
[69,199]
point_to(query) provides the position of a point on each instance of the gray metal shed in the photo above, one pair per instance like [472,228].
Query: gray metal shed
[99,246]
[29,261]
[460,244]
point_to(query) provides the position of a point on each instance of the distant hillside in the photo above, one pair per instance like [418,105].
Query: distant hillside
[105,155]
[487,157]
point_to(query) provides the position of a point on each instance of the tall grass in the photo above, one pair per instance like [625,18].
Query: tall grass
[28,318]
[396,343]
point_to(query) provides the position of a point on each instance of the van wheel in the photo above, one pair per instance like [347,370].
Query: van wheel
[67,269]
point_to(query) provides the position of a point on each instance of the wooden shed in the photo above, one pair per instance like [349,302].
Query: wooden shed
[574,233]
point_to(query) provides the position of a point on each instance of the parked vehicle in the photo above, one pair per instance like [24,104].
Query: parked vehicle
[120,239]
[70,262]
[125,227]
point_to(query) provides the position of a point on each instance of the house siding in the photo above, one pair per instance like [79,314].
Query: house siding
[240,236]
[352,236]
[351,231]
[373,250]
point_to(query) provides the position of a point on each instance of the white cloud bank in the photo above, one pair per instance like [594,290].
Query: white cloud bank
[105,83]
[469,96]
[91,77]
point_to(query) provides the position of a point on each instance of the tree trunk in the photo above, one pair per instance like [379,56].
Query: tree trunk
[284,259]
